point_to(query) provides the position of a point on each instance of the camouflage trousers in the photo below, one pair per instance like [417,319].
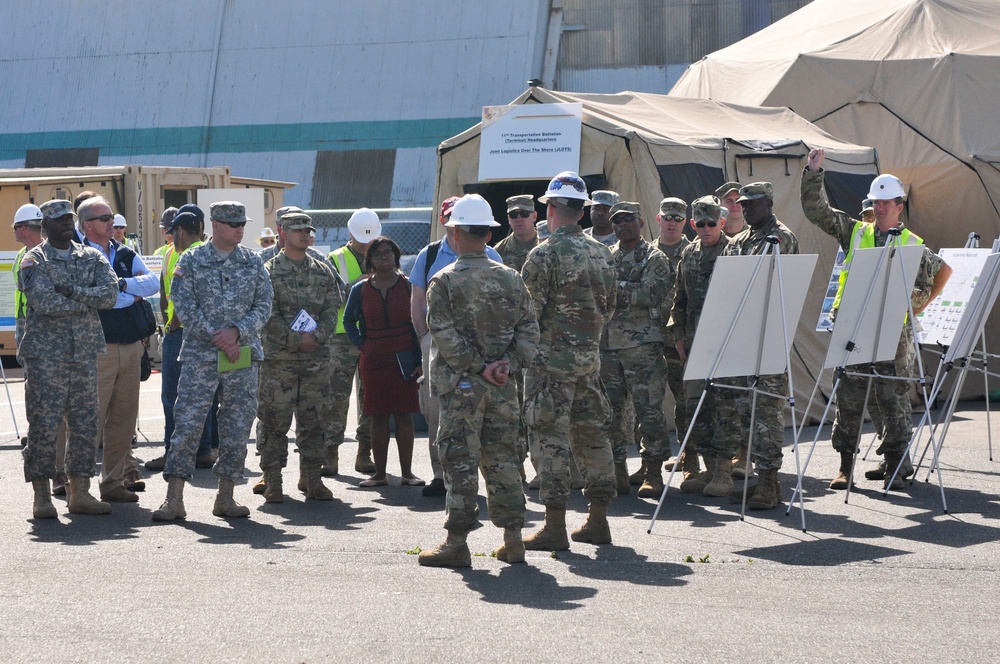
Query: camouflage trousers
[237,408]
[344,358]
[889,402]
[564,412]
[636,375]
[769,422]
[722,424]
[58,390]
[478,430]
[299,387]
[675,382]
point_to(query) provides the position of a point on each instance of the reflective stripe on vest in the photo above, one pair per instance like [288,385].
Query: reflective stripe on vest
[863,237]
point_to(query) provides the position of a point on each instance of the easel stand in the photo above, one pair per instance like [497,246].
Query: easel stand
[10,402]
[770,260]
[880,293]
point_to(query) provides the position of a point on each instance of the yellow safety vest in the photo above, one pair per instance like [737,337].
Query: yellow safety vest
[863,237]
[20,300]
[170,259]
[350,271]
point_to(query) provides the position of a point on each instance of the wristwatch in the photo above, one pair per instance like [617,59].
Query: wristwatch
[122,285]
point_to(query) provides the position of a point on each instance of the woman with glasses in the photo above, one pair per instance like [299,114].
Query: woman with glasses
[377,320]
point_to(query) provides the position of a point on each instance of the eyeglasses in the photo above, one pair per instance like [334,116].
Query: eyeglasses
[104,217]
[232,224]
[702,224]
[624,219]
[679,218]
[523,214]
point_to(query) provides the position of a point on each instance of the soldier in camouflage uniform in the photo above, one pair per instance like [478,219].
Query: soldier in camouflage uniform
[571,281]
[295,375]
[890,397]
[671,221]
[757,200]
[632,365]
[65,284]
[223,294]
[483,325]
[523,238]
[694,272]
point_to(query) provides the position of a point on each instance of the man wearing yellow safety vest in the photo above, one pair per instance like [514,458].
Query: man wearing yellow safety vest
[27,231]
[890,399]
[364,226]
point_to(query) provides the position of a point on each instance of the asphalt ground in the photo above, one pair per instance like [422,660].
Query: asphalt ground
[877,579]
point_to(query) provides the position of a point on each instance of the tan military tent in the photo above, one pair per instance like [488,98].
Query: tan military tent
[648,146]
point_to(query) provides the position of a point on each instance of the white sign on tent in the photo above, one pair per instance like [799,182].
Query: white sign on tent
[529,141]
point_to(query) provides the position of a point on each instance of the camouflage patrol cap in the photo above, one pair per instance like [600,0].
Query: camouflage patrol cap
[625,207]
[291,221]
[229,212]
[524,202]
[756,190]
[282,211]
[724,190]
[56,209]
[605,197]
[706,208]
[673,205]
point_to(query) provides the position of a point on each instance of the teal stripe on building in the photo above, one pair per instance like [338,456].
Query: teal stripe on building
[385,135]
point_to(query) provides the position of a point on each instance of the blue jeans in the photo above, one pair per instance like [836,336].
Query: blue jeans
[170,372]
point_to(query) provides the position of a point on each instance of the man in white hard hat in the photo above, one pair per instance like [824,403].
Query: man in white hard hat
[118,228]
[890,397]
[267,238]
[484,328]
[571,279]
[28,231]
[431,260]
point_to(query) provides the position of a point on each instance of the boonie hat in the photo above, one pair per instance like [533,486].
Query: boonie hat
[706,208]
[55,209]
[756,190]
[524,202]
[673,205]
[867,205]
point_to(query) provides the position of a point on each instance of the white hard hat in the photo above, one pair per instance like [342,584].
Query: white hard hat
[119,222]
[471,210]
[265,233]
[29,213]
[364,225]
[885,188]
[565,187]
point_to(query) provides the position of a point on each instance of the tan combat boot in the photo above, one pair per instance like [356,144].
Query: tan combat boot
[891,462]
[768,492]
[552,536]
[638,476]
[622,478]
[261,486]
[689,464]
[332,466]
[80,500]
[273,491]
[225,505]
[879,471]
[652,483]
[42,508]
[173,507]
[740,465]
[363,461]
[453,552]
[844,474]
[595,529]
[512,550]
[697,483]
[315,489]
[722,479]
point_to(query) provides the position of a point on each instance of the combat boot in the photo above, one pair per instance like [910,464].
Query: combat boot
[512,550]
[652,483]
[844,474]
[879,471]
[273,490]
[363,461]
[552,536]
[315,489]
[889,482]
[173,507]
[261,486]
[303,485]
[638,476]
[595,529]
[80,500]
[42,508]
[689,464]
[453,552]
[722,479]
[225,505]
[697,483]
[740,465]
[622,478]
[332,466]
[768,492]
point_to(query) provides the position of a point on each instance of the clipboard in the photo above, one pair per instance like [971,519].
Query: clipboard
[242,363]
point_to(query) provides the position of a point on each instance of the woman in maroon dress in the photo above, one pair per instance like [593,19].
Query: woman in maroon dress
[377,320]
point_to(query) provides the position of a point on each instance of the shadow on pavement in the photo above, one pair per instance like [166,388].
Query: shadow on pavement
[527,586]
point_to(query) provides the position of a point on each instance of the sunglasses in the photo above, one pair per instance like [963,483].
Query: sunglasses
[702,224]
[624,219]
[672,217]
[523,214]
[232,224]
[104,217]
